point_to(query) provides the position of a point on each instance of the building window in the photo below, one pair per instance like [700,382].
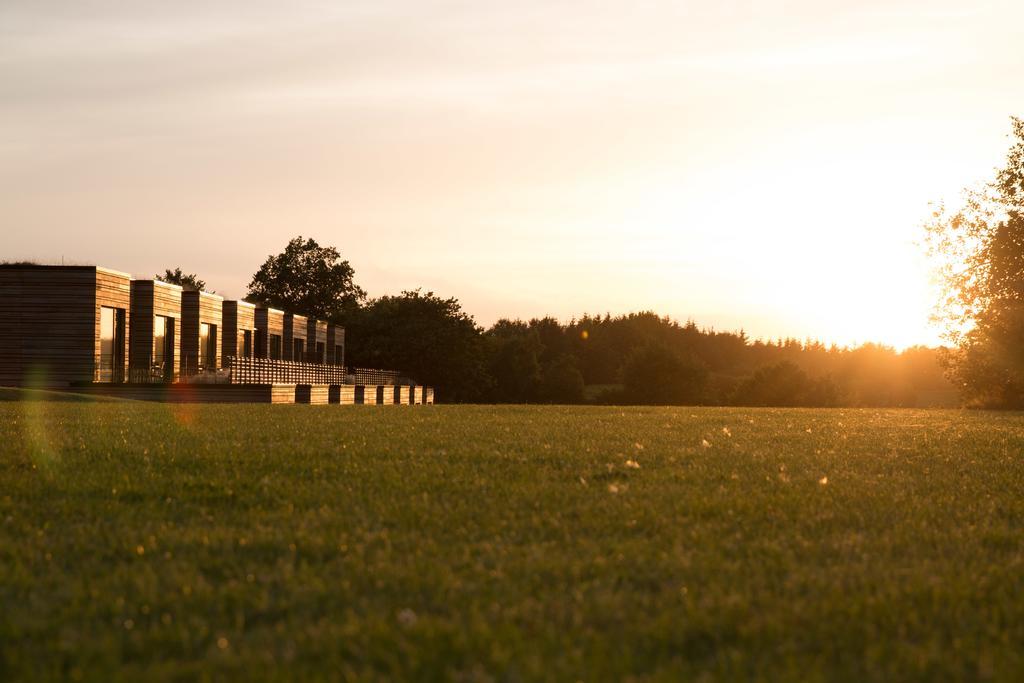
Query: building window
[299,350]
[111,361]
[275,346]
[163,335]
[339,354]
[320,351]
[207,346]
[245,344]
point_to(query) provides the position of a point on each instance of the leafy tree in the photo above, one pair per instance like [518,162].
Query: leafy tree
[309,279]
[429,339]
[561,381]
[185,280]
[786,385]
[654,374]
[513,352]
[979,248]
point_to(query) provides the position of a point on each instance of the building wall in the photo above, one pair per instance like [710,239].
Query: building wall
[198,308]
[295,327]
[236,316]
[335,339]
[316,333]
[268,321]
[49,322]
[151,298]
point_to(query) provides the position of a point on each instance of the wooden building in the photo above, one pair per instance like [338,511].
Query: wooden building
[335,344]
[63,324]
[316,341]
[269,333]
[85,325]
[154,350]
[296,329]
[238,333]
[201,322]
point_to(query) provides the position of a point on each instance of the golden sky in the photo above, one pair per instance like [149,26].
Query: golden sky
[762,165]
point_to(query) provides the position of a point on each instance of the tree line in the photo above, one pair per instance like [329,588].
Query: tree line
[638,359]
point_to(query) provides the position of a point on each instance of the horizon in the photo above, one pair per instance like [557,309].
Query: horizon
[542,160]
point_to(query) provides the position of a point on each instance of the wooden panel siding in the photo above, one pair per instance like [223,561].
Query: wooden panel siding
[428,397]
[316,394]
[49,322]
[348,395]
[152,298]
[295,327]
[401,394]
[194,393]
[237,317]
[198,308]
[335,344]
[316,333]
[269,321]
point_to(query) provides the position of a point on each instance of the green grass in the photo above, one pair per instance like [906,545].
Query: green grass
[158,542]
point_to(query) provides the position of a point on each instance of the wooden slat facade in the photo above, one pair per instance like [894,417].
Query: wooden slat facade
[316,341]
[198,308]
[238,318]
[151,298]
[64,325]
[193,393]
[316,394]
[295,328]
[50,324]
[335,344]
[269,322]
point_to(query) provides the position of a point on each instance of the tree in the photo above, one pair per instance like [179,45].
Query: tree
[513,350]
[561,381]
[654,374]
[785,385]
[184,280]
[309,279]
[430,339]
[979,251]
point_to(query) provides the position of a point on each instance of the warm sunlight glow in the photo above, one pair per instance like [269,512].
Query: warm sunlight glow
[738,164]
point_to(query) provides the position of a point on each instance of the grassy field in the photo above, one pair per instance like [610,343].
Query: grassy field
[157,542]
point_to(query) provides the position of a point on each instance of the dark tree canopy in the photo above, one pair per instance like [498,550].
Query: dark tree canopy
[430,339]
[979,249]
[185,280]
[786,385]
[656,374]
[308,279]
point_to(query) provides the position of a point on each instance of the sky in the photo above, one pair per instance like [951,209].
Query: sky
[763,166]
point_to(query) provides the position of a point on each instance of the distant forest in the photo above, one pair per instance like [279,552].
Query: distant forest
[646,359]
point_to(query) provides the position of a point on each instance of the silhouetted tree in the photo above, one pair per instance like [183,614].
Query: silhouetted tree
[657,375]
[513,350]
[184,280]
[561,381]
[309,279]
[785,384]
[430,339]
[980,249]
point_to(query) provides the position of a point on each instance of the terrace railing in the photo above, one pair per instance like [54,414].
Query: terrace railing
[266,371]
[106,370]
[370,377]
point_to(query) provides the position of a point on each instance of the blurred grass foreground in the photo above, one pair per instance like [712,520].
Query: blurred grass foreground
[255,542]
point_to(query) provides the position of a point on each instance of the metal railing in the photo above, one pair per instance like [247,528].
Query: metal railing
[266,371]
[368,376]
[106,370]
[241,370]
